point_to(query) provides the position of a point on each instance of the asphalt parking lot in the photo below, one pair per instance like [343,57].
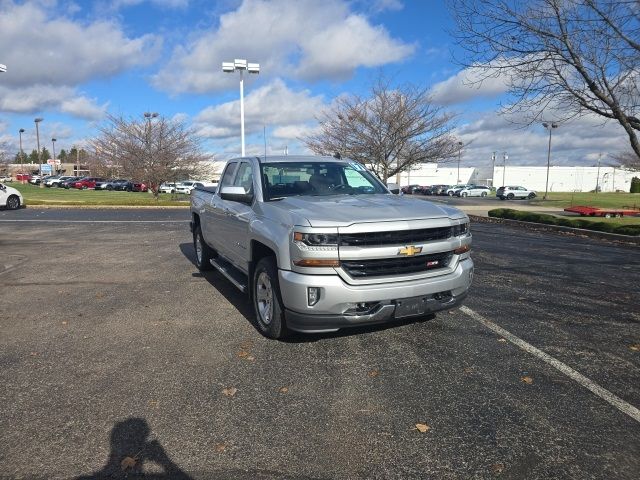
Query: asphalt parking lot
[116,353]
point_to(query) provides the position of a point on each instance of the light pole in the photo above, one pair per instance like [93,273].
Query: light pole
[459,154]
[505,157]
[37,121]
[53,144]
[598,173]
[241,65]
[493,168]
[550,127]
[20,132]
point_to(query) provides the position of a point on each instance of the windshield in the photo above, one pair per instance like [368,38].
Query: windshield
[289,179]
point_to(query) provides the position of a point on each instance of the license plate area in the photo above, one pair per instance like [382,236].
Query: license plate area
[411,307]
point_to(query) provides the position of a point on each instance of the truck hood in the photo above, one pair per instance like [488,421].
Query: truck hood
[345,210]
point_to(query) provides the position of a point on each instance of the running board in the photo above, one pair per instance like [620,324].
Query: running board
[231,273]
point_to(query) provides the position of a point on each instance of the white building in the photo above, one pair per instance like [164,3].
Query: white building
[431,174]
[565,179]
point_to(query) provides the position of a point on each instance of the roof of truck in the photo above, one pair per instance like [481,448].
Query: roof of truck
[293,158]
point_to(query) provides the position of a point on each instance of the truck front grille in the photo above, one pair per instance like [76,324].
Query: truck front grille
[396,266]
[370,239]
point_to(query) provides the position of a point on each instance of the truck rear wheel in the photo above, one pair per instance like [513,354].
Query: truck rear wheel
[267,302]
[204,253]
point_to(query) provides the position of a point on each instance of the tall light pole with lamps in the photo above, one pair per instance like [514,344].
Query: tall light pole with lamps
[549,126]
[53,145]
[241,65]
[20,132]
[37,121]
[459,155]
[493,168]
[505,157]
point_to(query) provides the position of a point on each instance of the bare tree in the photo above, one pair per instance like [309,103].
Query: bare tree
[628,160]
[562,57]
[390,131]
[153,151]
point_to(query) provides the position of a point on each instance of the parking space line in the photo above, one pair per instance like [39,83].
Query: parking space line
[604,394]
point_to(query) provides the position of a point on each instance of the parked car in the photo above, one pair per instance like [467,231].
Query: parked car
[23,176]
[109,184]
[10,197]
[167,188]
[56,180]
[87,182]
[122,185]
[435,190]
[68,183]
[6,178]
[410,189]
[138,187]
[185,186]
[473,191]
[511,193]
[452,190]
[35,179]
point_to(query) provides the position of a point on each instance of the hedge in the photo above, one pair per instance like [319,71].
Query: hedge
[565,222]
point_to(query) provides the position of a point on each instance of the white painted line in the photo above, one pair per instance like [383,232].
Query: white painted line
[94,221]
[604,394]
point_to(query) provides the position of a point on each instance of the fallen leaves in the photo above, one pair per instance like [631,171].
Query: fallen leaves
[245,355]
[497,468]
[502,340]
[127,462]
[374,373]
[154,404]
[220,447]
[283,390]
[422,427]
[230,391]
[526,379]
[635,347]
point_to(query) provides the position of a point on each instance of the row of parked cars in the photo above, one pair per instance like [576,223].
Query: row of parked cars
[470,190]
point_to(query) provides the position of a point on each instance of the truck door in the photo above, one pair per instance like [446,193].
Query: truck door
[237,218]
[214,225]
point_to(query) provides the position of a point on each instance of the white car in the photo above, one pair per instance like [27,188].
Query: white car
[186,186]
[10,197]
[473,191]
[6,179]
[168,188]
[452,190]
[35,179]
[509,193]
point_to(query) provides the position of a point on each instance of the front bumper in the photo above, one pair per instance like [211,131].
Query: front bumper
[340,304]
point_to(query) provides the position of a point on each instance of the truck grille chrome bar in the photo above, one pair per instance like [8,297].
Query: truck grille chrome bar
[396,266]
[369,239]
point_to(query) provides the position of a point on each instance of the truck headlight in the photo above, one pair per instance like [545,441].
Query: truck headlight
[461,229]
[316,239]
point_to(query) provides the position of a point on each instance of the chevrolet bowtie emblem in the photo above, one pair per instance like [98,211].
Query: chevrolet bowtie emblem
[409,251]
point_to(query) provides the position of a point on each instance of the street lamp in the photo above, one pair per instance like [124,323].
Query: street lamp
[505,157]
[53,144]
[550,127]
[241,65]
[493,168]
[20,132]
[459,154]
[37,121]
[149,116]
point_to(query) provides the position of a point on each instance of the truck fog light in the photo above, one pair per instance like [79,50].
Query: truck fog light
[313,295]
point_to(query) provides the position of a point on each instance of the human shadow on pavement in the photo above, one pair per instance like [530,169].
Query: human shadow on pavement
[241,302]
[131,450]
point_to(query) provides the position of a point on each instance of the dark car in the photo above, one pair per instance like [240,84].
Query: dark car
[68,183]
[411,189]
[138,187]
[437,190]
[122,185]
[110,184]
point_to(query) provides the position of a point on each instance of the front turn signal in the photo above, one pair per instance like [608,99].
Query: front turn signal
[462,249]
[317,262]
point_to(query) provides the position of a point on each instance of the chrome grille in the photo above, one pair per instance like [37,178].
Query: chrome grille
[397,265]
[369,239]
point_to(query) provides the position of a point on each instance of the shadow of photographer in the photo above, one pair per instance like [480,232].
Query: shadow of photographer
[131,451]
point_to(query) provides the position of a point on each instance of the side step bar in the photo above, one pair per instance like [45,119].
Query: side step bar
[231,273]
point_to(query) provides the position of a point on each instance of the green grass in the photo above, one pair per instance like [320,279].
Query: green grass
[34,195]
[602,200]
[622,226]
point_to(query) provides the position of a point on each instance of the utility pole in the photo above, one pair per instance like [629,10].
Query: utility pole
[550,127]
[21,131]
[493,168]
[598,173]
[505,157]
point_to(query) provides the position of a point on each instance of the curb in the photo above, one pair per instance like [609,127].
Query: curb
[612,237]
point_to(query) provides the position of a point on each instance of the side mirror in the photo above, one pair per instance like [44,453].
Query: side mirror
[393,188]
[236,194]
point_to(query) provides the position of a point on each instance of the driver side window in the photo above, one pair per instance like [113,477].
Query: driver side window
[244,178]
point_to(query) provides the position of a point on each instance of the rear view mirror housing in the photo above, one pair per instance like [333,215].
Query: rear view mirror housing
[236,194]
[393,188]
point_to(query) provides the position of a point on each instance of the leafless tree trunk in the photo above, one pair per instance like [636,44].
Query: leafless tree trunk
[389,131]
[152,151]
[562,58]
[628,160]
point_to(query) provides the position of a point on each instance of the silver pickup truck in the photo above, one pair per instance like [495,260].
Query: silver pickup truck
[320,244]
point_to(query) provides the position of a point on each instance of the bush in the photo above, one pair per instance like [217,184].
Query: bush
[635,185]
[564,222]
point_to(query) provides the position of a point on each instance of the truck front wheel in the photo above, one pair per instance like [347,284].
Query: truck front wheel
[204,253]
[267,302]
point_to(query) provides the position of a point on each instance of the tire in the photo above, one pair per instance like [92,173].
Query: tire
[267,302]
[531,195]
[84,187]
[109,187]
[510,196]
[483,194]
[463,194]
[502,198]
[450,194]
[13,202]
[204,253]
[607,215]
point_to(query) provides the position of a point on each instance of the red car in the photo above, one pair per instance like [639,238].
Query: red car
[139,187]
[23,176]
[87,182]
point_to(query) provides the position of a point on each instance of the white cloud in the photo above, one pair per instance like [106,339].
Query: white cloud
[118,4]
[306,38]
[273,105]
[41,97]
[83,107]
[469,84]
[58,51]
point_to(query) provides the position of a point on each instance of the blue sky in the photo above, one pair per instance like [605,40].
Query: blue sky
[72,62]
